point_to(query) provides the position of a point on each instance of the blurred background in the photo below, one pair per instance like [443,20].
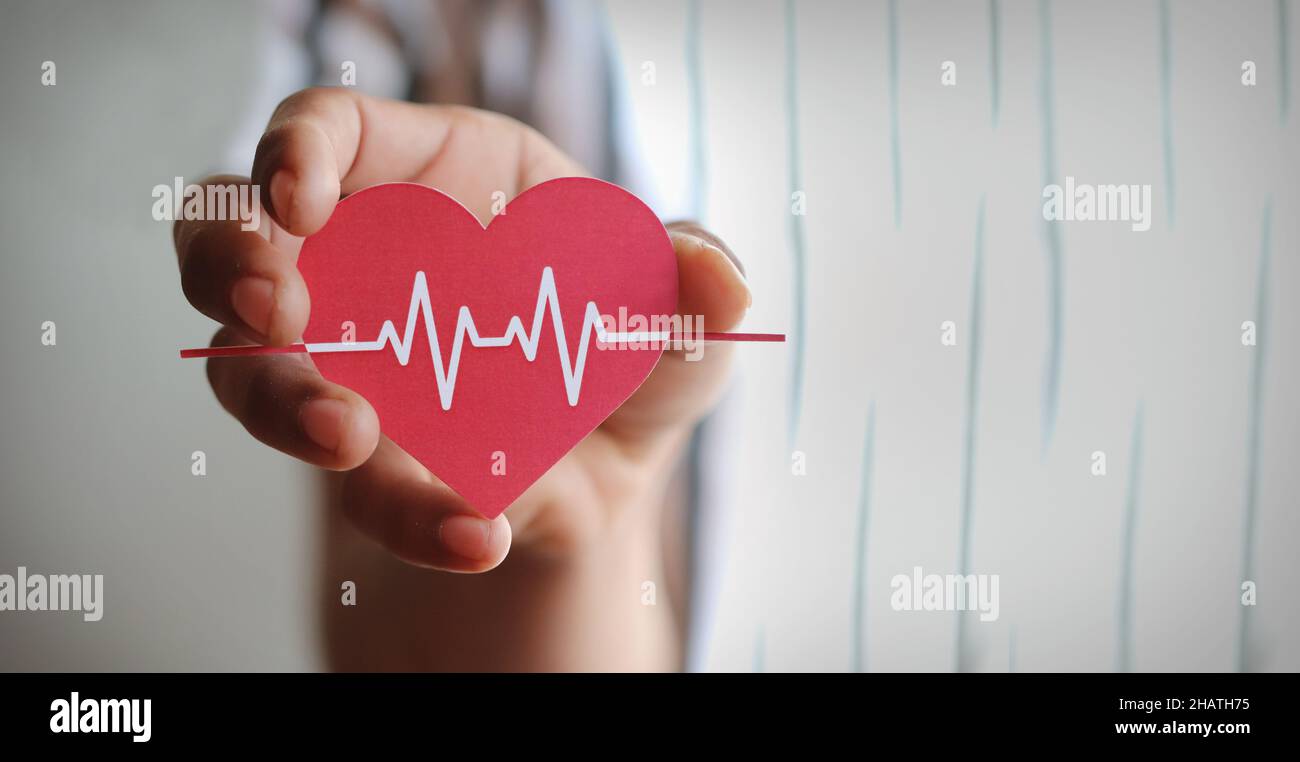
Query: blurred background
[923,205]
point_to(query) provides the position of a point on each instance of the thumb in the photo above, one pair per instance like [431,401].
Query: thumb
[687,382]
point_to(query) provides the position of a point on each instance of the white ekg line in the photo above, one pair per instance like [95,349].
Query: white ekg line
[528,341]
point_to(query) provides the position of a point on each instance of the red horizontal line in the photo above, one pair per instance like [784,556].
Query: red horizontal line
[257,349]
[250,349]
[720,336]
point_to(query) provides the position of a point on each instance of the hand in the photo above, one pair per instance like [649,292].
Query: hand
[323,144]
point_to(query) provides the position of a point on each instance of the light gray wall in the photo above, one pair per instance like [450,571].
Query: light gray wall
[204,573]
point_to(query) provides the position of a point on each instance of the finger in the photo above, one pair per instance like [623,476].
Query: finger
[687,382]
[395,501]
[284,402]
[241,279]
[323,143]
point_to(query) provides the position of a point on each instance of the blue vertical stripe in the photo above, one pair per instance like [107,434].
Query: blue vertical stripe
[1124,657]
[894,152]
[695,85]
[1252,437]
[1052,232]
[796,223]
[972,407]
[857,626]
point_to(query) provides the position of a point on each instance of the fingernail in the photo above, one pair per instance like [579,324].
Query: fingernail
[735,267]
[253,299]
[469,537]
[322,421]
[282,196]
[731,258]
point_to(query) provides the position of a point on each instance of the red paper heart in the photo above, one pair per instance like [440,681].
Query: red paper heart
[601,244]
